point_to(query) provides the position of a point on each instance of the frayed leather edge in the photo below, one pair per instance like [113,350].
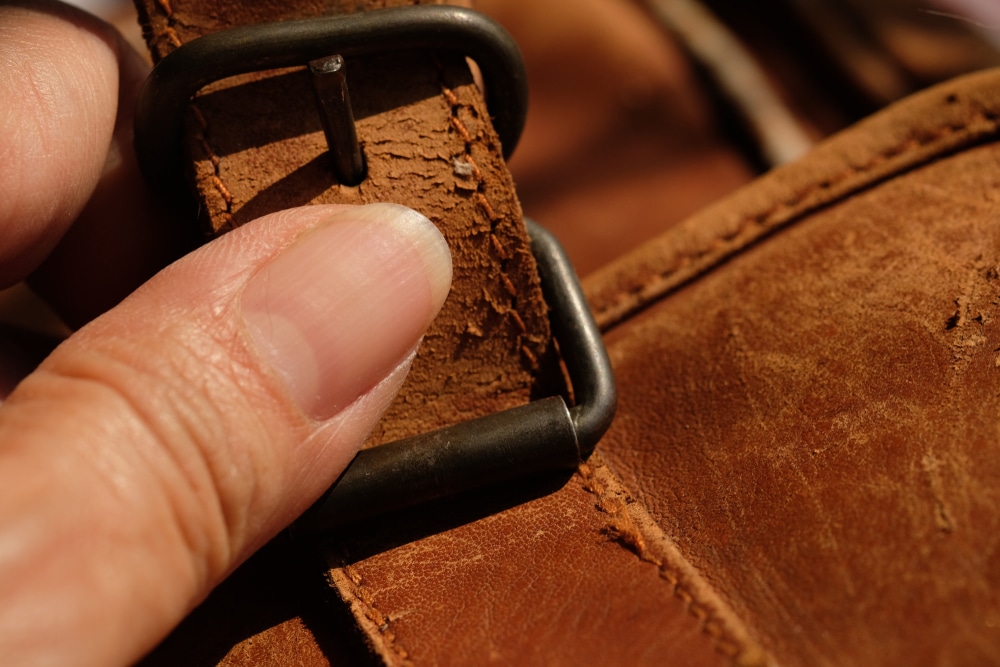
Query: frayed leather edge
[628,523]
[376,624]
[226,214]
[630,284]
[530,357]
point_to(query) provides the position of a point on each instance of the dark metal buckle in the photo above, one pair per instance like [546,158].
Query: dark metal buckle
[538,437]
[545,435]
[181,74]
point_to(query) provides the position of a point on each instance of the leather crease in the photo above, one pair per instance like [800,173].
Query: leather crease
[778,199]
[629,524]
[647,556]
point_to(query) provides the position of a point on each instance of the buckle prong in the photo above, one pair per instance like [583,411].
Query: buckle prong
[329,79]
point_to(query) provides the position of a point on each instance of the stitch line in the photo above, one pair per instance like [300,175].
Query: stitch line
[168,11]
[381,621]
[165,7]
[620,527]
[216,162]
[768,217]
[484,205]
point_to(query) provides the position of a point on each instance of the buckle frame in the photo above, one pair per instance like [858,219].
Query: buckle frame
[541,436]
[544,435]
[182,73]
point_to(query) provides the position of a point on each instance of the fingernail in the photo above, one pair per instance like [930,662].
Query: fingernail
[340,308]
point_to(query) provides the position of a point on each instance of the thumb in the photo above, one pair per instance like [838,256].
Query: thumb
[160,445]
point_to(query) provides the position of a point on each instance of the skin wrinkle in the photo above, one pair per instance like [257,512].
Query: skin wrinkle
[99,515]
[182,463]
[181,468]
[127,544]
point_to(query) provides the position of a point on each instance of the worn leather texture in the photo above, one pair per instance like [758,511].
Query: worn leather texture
[626,136]
[256,145]
[802,470]
[805,456]
[623,138]
[810,377]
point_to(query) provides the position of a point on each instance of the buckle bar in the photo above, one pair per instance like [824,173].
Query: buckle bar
[541,436]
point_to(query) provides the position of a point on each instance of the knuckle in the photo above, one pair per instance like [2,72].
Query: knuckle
[179,408]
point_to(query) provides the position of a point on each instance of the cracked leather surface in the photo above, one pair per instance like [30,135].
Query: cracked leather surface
[814,421]
[257,146]
[801,470]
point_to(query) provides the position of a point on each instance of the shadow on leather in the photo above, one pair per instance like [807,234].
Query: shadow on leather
[278,598]
[369,538]
[249,108]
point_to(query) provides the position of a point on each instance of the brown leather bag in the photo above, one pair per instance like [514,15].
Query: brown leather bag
[803,468]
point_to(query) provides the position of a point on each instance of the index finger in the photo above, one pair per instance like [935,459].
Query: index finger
[59,82]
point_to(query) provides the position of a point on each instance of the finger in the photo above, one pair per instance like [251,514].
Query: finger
[164,442]
[72,191]
[59,84]
[105,255]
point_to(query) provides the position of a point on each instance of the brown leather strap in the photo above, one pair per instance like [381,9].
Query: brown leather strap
[258,146]
[546,582]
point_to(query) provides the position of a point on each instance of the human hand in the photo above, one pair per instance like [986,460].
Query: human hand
[169,438]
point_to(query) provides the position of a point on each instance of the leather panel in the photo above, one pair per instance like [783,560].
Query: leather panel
[574,577]
[418,116]
[815,421]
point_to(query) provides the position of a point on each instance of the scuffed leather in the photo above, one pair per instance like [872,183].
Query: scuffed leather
[804,463]
[812,413]
[256,145]
[806,453]
[548,582]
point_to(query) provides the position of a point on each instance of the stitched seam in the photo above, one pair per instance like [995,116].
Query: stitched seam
[483,204]
[620,527]
[764,218]
[216,161]
[168,11]
[165,7]
[367,601]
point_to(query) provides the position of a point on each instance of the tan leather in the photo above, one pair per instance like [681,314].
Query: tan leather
[625,139]
[257,145]
[622,139]
[803,468]
[807,448]
[811,413]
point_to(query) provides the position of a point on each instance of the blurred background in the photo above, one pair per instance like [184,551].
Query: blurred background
[645,111]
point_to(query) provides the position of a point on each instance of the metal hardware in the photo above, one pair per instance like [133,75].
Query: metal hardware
[541,436]
[329,78]
[176,78]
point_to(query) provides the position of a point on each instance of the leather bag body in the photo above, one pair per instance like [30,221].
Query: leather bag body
[804,466]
